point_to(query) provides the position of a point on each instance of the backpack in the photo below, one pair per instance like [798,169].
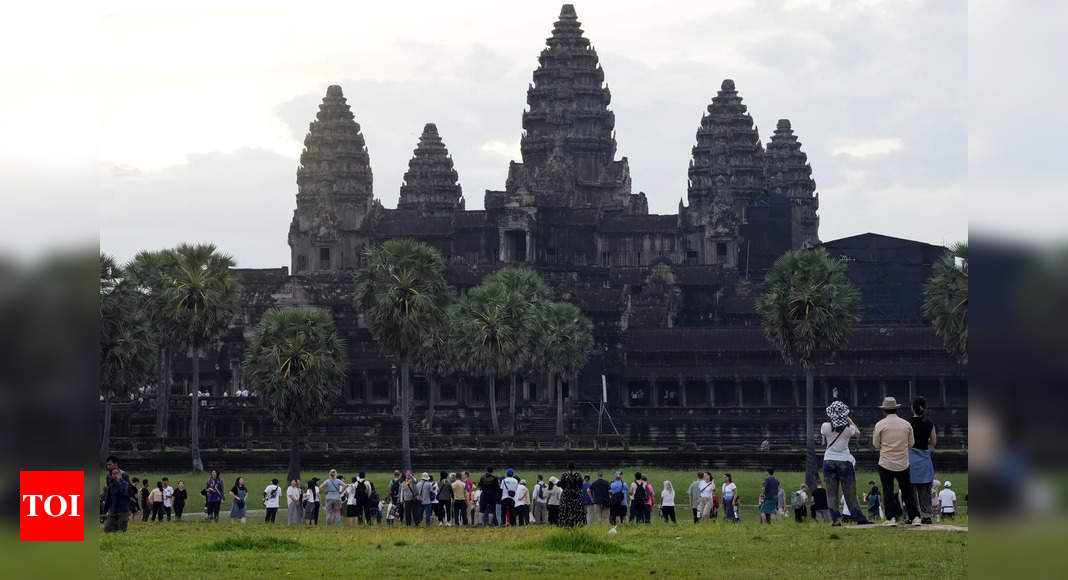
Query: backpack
[617,499]
[360,493]
[373,496]
[797,501]
[641,495]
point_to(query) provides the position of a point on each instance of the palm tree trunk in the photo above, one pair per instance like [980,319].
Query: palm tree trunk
[294,454]
[493,405]
[511,406]
[194,427]
[405,405]
[810,446]
[559,405]
[105,443]
[163,396]
[430,397]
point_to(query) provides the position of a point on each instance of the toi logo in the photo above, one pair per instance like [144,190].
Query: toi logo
[51,506]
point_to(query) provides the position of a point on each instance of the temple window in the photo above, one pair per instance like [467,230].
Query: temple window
[324,258]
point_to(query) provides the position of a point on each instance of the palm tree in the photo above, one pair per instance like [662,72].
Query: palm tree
[296,361]
[203,300]
[401,290]
[485,339]
[152,273]
[434,359]
[127,348]
[566,342]
[808,313]
[526,293]
[945,301]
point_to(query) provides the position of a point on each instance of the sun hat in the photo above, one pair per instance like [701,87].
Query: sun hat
[553,480]
[838,412]
[949,484]
[426,476]
[889,404]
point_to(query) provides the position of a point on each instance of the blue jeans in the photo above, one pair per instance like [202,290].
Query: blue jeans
[840,474]
[429,509]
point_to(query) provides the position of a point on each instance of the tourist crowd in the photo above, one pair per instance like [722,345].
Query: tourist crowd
[456,499]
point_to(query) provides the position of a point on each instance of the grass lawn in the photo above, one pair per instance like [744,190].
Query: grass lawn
[195,548]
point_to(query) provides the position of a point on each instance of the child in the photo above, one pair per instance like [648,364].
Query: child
[874,500]
[387,507]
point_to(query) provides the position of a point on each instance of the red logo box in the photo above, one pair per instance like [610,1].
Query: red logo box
[52,506]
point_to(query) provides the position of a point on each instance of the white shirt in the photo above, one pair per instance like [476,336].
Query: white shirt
[168,496]
[311,496]
[293,495]
[269,491]
[667,498]
[350,491]
[522,495]
[839,451]
[708,489]
[509,483]
[729,489]
[946,497]
[804,496]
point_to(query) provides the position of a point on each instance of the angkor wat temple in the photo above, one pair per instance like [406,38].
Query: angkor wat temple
[686,363]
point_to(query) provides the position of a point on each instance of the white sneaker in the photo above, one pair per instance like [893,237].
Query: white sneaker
[916,521]
[891,523]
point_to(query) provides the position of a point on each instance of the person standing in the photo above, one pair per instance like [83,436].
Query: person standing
[509,489]
[425,496]
[730,499]
[146,502]
[553,493]
[947,501]
[522,504]
[637,500]
[168,498]
[893,437]
[352,503]
[294,510]
[707,493]
[394,493]
[799,503]
[820,504]
[271,495]
[332,488]
[769,495]
[541,499]
[238,504]
[667,503]
[572,513]
[116,502]
[410,501]
[367,500]
[135,492]
[921,469]
[587,501]
[459,501]
[213,494]
[155,500]
[618,499]
[311,500]
[445,498]
[488,500]
[650,500]
[181,495]
[694,493]
[839,464]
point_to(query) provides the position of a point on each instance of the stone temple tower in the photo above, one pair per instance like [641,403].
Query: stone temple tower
[790,175]
[430,184]
[334,191]
[726,174]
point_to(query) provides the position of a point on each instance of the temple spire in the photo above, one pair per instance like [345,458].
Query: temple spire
[431,183]
[790,175]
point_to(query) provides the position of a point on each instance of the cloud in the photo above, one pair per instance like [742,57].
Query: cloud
[506,151]
[865,148]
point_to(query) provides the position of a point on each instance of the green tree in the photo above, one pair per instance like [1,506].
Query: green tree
[945,301]
[401,290]
[485,340]
[525,295]
[127,346]
[204,300]
[808,312]
[435,360]
[567,337]
[153,273]
[296,361]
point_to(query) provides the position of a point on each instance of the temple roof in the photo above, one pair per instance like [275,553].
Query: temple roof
[728,159]
[788,170]
[334,160]
[430,184]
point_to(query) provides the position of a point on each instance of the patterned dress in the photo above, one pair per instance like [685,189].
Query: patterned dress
[572,512]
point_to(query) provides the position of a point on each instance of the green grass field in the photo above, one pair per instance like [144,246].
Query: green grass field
[195,548]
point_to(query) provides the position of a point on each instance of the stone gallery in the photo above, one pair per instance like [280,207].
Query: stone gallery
[685,362]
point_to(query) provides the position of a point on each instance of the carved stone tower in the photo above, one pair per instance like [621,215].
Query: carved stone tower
[790,175]
[430,184]
[334,191]
[726,175]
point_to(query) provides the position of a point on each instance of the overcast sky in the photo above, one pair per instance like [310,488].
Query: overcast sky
[195,117]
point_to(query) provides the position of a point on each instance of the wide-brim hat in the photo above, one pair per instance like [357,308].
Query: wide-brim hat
[838,412]
[553,480]
[890,404]
[425,476]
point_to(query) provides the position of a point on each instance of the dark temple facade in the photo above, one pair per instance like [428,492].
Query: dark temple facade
[685,362]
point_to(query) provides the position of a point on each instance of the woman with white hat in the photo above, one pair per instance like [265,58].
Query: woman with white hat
[839,465]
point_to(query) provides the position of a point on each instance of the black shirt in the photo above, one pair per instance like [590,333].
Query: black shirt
[599,491]
[491,489]
[921,431]
[819,499]
[180,495]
